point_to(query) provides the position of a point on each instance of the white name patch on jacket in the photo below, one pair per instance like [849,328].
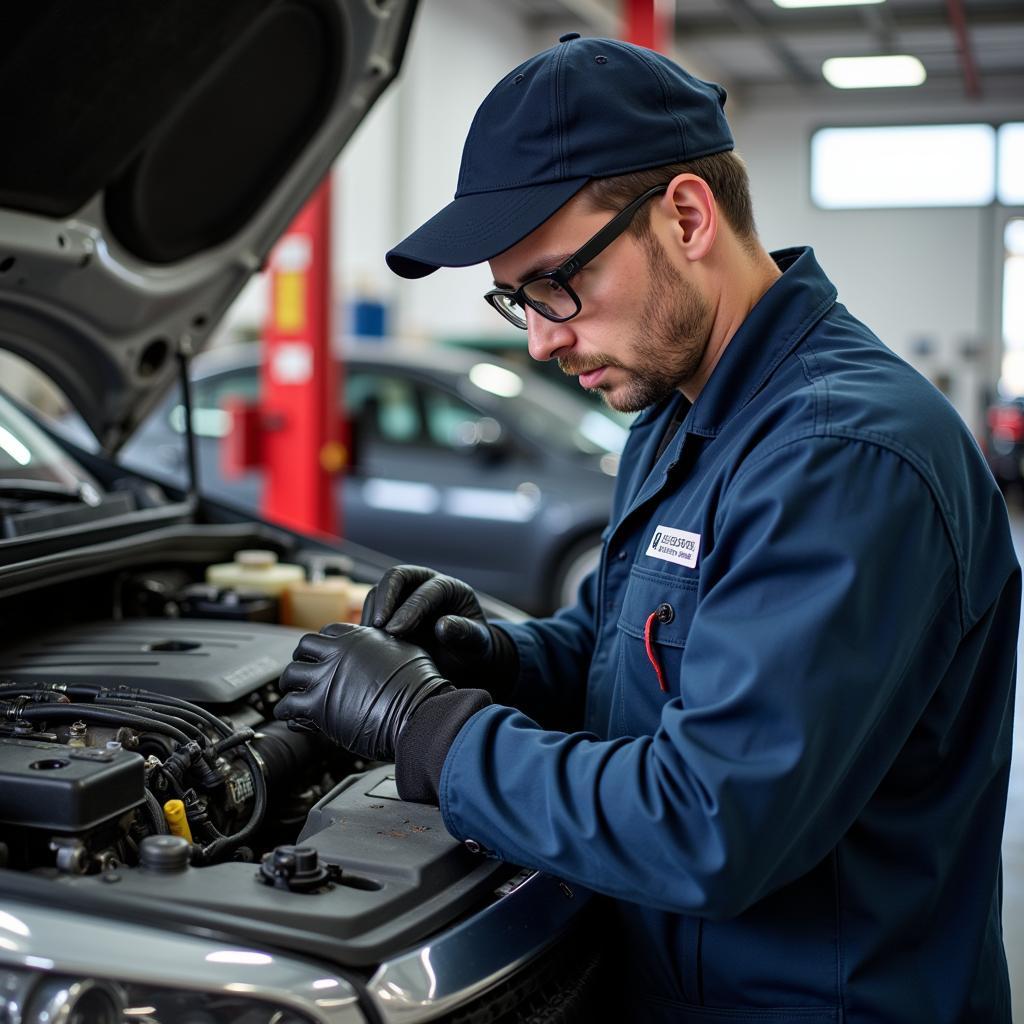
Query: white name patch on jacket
[675,546]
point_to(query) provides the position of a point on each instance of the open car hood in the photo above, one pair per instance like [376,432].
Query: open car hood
[152,156]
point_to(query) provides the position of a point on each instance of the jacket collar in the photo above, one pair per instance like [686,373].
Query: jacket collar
[773,328]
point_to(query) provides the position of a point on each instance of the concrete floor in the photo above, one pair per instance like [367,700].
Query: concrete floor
[1013,836]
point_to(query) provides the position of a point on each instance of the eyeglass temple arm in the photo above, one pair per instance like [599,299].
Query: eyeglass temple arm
[608,233]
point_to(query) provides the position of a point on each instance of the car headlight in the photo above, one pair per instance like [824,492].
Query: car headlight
[31,997]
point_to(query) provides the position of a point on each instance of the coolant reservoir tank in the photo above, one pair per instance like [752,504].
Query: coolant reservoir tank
[257,570]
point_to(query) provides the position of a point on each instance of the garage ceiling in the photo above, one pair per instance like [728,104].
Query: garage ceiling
[971,49]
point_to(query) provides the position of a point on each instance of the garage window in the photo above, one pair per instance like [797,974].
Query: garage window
[901,166]
[1011,383]
[1011,164]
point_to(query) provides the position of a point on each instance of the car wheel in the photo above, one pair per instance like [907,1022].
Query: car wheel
[577,562]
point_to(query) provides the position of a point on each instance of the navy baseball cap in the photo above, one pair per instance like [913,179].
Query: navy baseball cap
[586,108]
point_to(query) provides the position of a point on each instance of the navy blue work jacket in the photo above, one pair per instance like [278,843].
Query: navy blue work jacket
[805,825]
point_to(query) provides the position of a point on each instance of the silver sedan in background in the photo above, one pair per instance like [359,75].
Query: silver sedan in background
[467,463]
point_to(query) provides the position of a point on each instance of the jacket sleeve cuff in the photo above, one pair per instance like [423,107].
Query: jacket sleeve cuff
[424,742]
[530,659]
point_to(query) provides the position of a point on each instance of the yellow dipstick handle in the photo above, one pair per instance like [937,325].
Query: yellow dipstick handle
[174,812]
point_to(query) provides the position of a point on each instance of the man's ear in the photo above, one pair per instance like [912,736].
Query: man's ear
[690,206]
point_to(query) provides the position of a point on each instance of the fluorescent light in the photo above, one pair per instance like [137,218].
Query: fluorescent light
[873,72]
[824,3]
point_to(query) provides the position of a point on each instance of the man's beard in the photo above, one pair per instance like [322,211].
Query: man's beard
[669,344]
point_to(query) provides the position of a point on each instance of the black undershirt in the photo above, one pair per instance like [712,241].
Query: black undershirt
[670,431]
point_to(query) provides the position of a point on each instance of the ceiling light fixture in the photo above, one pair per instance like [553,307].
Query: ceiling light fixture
[888,72]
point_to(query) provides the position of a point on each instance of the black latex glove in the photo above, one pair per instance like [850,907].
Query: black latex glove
[359,687]
[443,616]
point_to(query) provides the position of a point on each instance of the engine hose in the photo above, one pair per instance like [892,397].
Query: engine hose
[69,690]
[156,814]
[72,689]
[149,697]
[234,740]
[224,844]
[179,721]
[54,692]
[202,828]
[11,686]
[108,716]
[173,786]
[78,689]
[231,738]
[39,694]
[187,712]
[286,754]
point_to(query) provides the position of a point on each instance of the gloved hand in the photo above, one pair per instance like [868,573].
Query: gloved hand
[443,616]
[359,687]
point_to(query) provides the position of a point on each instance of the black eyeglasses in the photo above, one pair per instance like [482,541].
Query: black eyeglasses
[550,293]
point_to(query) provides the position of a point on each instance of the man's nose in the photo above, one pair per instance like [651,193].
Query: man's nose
[546,339]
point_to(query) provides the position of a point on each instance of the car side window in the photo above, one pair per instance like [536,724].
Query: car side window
[397,410]
[385,407]
[208,416]
[451,423]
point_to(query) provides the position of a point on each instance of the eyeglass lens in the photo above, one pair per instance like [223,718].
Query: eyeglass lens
[549,298]
[509,308]
[544,294]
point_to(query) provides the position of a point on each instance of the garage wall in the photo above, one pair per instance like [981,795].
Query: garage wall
[920,278]
[403,165]
[923,279]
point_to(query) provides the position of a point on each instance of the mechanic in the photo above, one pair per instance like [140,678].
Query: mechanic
[776,726]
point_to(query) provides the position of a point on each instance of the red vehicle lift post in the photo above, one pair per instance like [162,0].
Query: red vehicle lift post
[646,23]
[302,447]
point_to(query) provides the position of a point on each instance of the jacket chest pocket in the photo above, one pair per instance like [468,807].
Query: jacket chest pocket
[653,627]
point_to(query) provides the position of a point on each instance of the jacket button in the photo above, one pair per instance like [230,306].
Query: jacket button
[472,845]
[664,613]
[622,556]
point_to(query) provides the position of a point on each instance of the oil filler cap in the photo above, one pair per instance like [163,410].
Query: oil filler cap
[295,868]
[165,854]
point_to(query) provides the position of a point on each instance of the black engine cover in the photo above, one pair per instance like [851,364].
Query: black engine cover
[56,788]
[208,662]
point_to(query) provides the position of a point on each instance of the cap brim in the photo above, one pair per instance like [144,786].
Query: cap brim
[475,228]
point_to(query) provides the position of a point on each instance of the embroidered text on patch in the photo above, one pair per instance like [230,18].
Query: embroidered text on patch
[675,546]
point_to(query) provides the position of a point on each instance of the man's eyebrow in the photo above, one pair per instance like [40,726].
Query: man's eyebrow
[540,266]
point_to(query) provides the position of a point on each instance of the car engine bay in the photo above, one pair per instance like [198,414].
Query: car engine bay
[192,699]
[141,766]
